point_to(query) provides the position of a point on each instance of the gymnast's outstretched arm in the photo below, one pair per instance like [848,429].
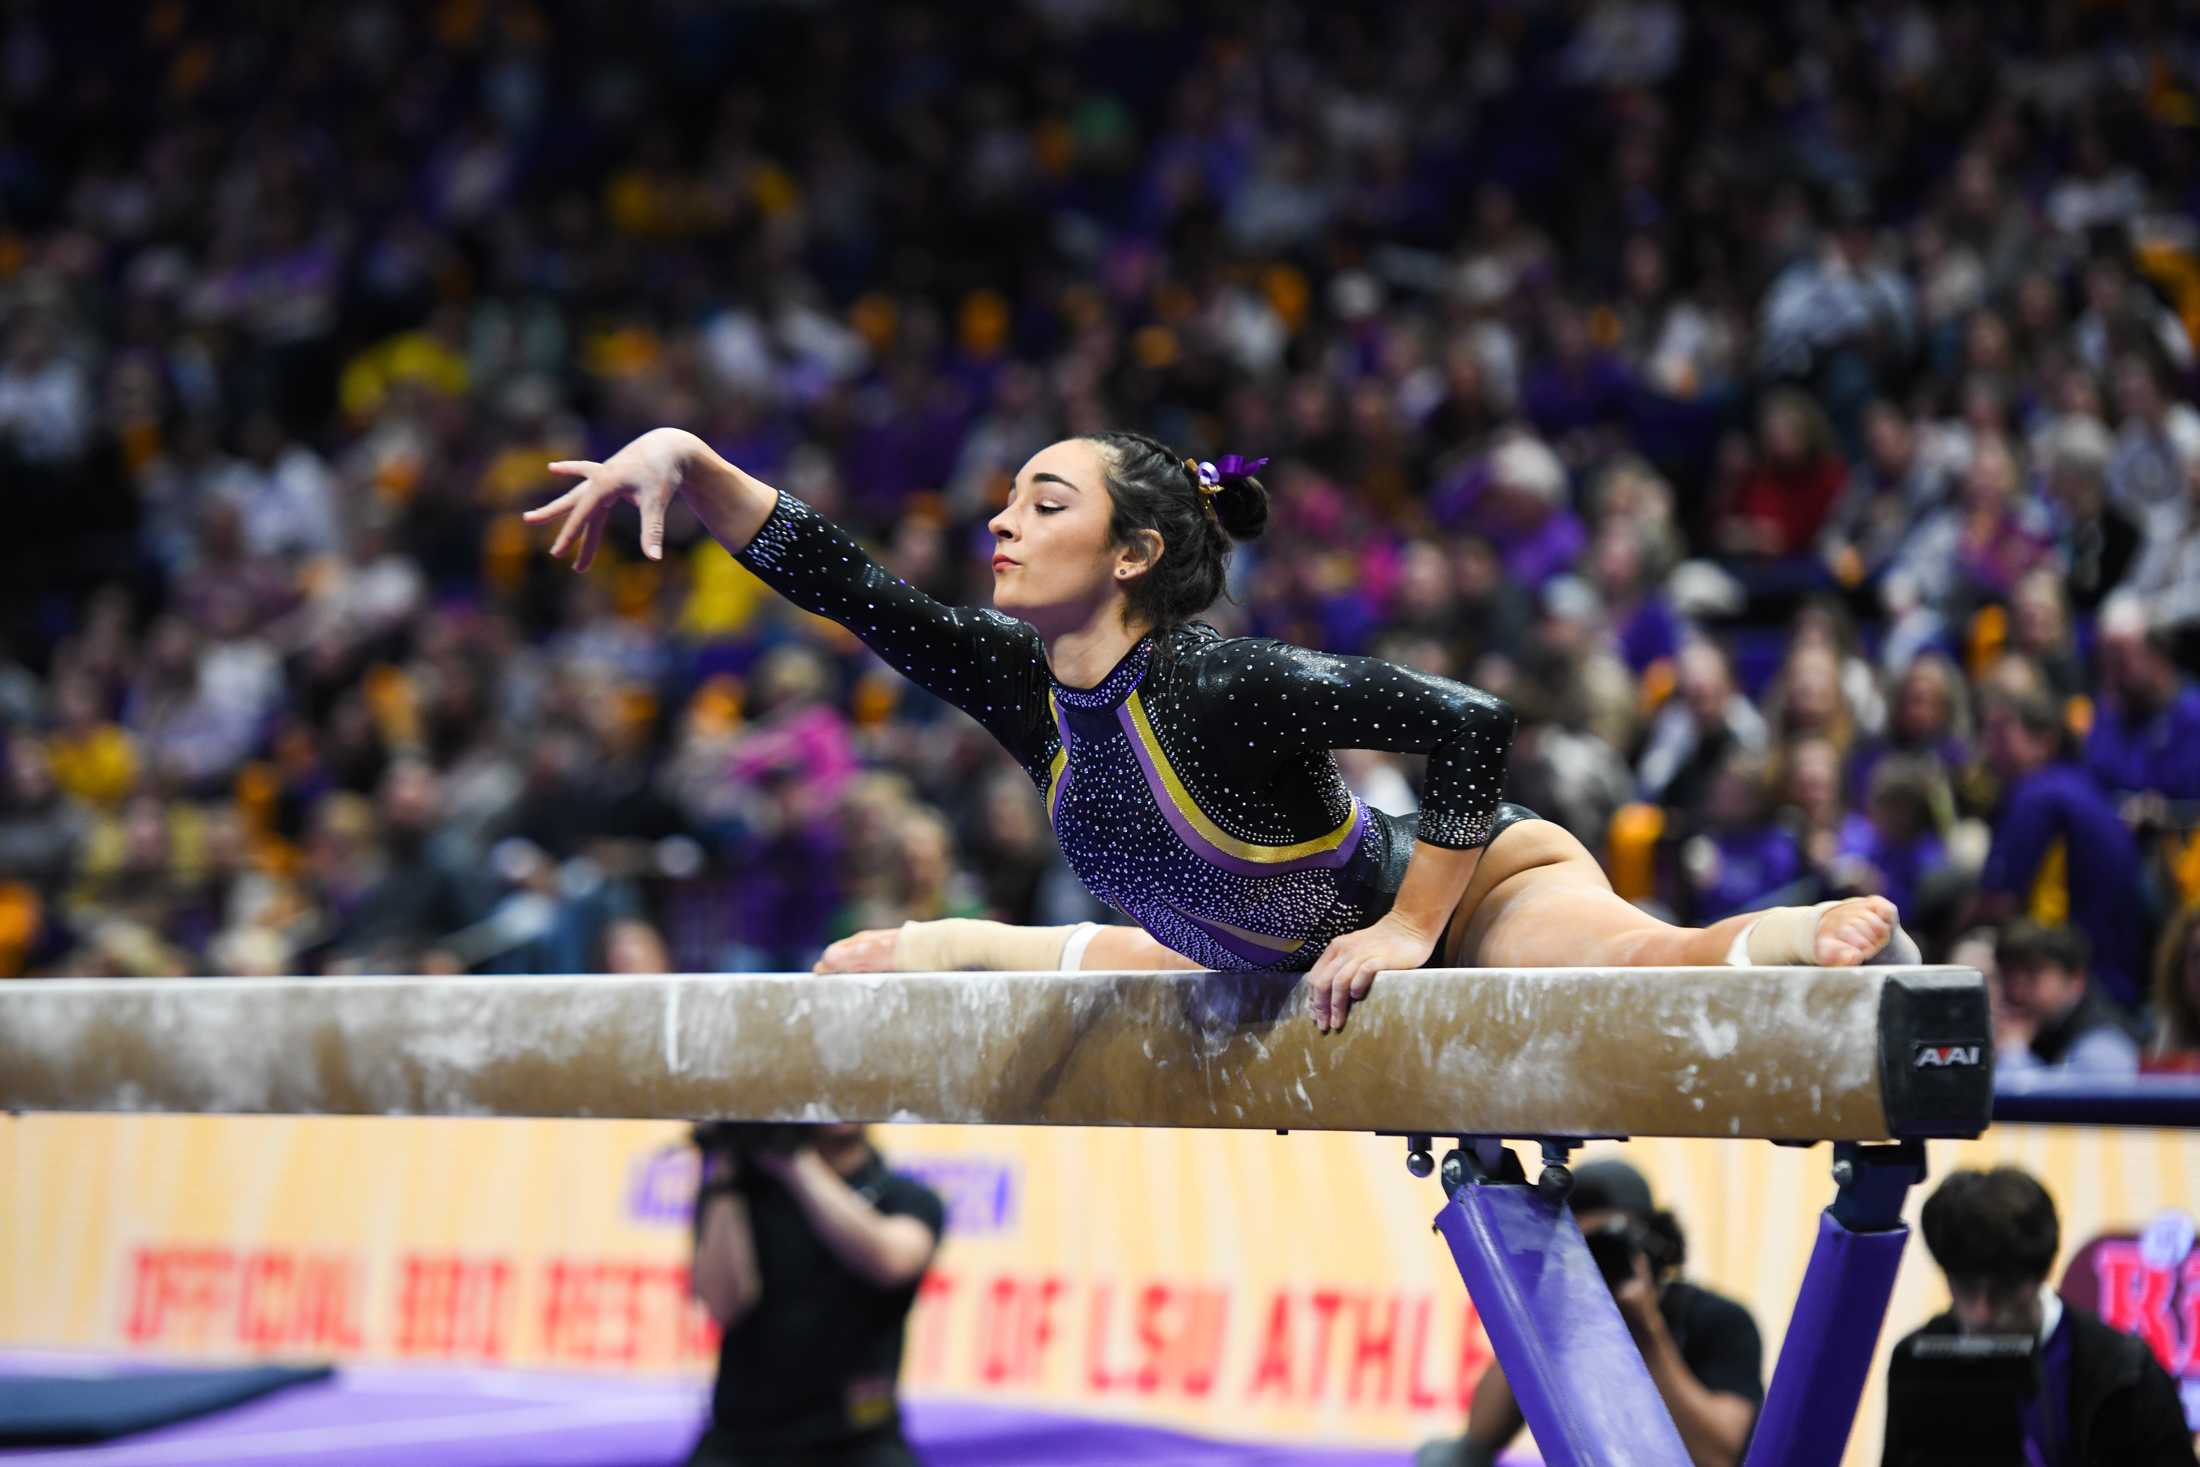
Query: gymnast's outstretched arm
[989,665]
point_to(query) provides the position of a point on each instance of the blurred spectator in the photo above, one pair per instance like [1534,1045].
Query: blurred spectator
[1518,503]
[2100,542]
[1705,719]
[1785,498]
[281,493]
[91,758]
[1579,388]
[1837,316]
[2040,631]
[1571,652]
[2083,1393]
[2156,437]
[2047,1016]
[2060,852]
[2176,1006]
[1632,492]
[1744,854]
[1011,847]
[1807,781]
[1491,613]
[1805,700]
[1645,628]
[2167,577]
[1894,486]
[2066,1388]
[192,738]
[1824,624]
[1978,549]
[423,887]
[2145,738]
[1894,843]
[45,404]
[1931,718]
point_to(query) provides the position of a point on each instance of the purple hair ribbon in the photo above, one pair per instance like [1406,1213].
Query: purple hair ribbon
[1229,466]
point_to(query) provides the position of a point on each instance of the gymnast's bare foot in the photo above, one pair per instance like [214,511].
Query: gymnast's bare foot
[1851,932]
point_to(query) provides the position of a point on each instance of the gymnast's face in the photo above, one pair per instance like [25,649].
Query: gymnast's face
[1053,563]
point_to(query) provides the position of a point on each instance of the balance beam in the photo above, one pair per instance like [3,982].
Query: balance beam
[1781,1053]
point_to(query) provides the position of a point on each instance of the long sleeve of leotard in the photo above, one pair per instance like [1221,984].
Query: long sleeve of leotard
[990,666]
[1270,696]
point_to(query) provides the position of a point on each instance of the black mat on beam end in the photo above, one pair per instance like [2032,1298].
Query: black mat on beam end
[70,1410]
[1936,1054]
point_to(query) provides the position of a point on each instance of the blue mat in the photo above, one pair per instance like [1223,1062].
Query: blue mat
[64,1410]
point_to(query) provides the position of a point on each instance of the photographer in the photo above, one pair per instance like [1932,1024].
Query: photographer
[1702,1348]
[2011,1373]
[808,1252]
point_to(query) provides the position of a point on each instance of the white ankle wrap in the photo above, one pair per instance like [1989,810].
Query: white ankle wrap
[958,944]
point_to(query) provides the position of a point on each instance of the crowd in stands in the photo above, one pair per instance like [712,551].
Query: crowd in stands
[1787,408]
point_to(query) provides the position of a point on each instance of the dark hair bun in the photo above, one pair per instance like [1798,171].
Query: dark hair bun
[1241,507]
[1158,490]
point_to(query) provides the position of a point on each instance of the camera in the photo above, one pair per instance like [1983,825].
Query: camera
[1615,1246]
[745,1139]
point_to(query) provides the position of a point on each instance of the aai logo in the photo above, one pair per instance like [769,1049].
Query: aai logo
[1945,1057]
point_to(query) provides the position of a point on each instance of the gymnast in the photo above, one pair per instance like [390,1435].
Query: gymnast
[1189,777]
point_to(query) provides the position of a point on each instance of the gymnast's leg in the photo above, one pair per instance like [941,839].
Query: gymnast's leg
[968,943]
[1540,900]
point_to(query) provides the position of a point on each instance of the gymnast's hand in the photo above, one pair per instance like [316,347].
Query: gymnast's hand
[864,952]
[1343,973]
[649,471]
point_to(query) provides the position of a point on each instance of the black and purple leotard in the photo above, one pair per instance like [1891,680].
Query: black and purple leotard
[1194,789]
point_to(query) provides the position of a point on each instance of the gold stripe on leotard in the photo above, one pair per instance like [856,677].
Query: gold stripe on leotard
[1061,759]
[1214,834]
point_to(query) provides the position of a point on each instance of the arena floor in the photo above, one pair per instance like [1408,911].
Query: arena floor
[406,1416]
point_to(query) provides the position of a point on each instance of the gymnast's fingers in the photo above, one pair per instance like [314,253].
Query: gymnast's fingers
[1340,984]
[591,537]
[556,506]
[1337,966]
[1351,993]
[580,467]
[576,519]
[653,525]
[1317,993]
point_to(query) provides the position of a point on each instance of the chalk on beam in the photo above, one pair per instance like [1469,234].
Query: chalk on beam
[1781,1053]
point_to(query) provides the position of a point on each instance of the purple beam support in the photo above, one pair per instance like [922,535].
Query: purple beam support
[1828,1351]
[1568,1357]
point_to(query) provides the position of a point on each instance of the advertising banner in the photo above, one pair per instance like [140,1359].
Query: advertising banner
[1251,1285]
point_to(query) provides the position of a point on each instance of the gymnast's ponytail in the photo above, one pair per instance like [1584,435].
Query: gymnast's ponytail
[1199,510]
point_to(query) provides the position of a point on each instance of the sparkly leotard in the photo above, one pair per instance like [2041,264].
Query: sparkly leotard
[1194,788]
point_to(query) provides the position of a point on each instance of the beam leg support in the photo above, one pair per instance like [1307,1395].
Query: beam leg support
[1835,1327]
[1572,1365]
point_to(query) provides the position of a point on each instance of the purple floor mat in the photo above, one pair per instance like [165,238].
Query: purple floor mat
[399,1416]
